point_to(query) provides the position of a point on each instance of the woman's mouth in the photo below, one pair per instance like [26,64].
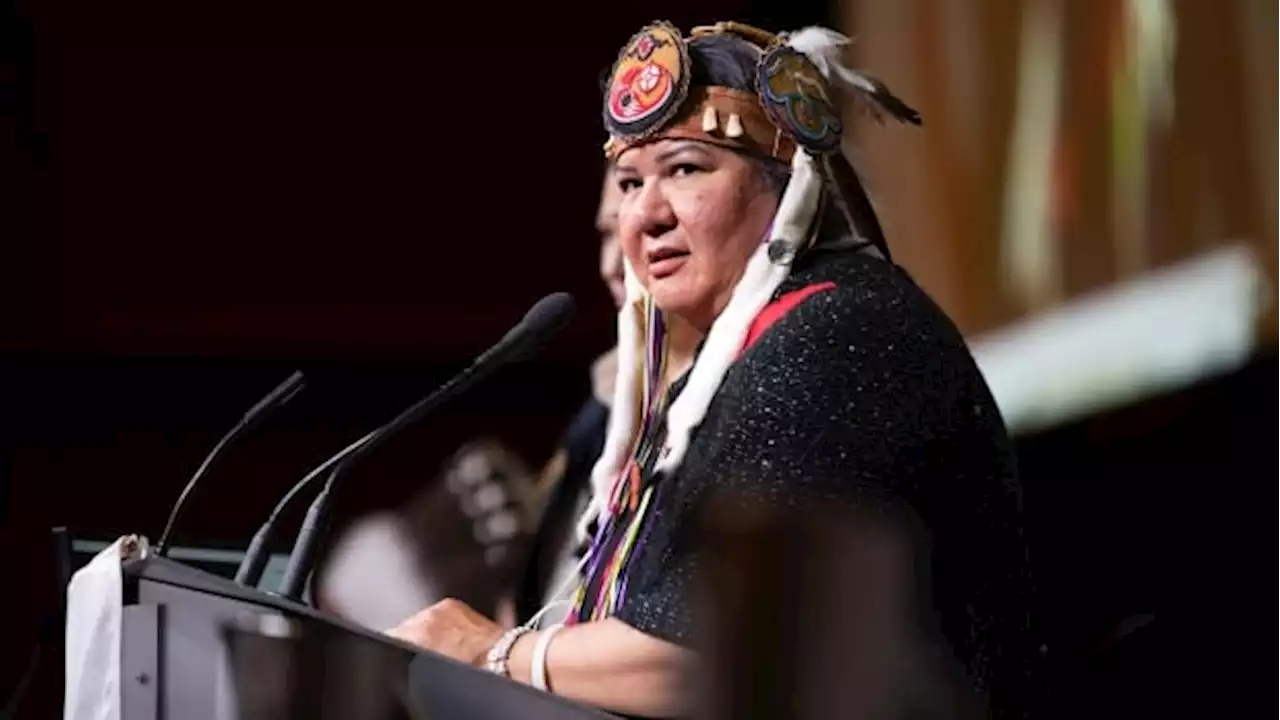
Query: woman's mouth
[664,262]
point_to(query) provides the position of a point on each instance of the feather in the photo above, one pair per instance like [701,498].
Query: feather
[824,48]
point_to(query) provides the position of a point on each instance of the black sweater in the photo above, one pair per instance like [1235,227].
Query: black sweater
[865,391]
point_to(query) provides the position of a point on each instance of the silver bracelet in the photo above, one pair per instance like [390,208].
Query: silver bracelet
[496,660]
[538,670]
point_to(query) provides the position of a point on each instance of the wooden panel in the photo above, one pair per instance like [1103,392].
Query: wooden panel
[1258,40]
[938,189]
[915,212]
[1203,178]
[1090,35]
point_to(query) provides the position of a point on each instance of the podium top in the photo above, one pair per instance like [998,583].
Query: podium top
[443,687]
[175,574]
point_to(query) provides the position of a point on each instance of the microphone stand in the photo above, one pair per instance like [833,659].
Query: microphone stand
[255,557]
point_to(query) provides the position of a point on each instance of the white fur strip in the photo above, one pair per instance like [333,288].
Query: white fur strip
[623,412]
[799,203]
[722,346]
[796,211]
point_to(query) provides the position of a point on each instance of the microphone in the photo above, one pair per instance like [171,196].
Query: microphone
[546,318]
[283,393]
[254,562]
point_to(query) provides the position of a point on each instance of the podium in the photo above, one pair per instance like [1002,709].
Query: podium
[200,647]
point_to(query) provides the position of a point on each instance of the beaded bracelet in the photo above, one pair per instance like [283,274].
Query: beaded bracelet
[496,660]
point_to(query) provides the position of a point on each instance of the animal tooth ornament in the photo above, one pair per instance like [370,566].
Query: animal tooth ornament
[793,117]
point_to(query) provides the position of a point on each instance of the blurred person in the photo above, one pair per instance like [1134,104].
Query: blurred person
[827,378]
[459,536]
[564,484]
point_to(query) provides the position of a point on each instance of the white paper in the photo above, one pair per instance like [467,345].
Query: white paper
[95,603]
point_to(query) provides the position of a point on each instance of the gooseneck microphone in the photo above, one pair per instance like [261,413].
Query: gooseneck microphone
[546,318]
[283,393]
[255,557]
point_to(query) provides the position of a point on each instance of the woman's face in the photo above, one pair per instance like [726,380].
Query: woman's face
[690,217]
[611,271]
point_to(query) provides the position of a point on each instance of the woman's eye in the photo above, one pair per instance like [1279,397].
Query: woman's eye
[627,184]
[685,169]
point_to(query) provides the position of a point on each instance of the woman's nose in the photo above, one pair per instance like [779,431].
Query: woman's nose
[653,213]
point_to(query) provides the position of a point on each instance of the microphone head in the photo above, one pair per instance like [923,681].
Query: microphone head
[547,317]
[550,314]
[283,393]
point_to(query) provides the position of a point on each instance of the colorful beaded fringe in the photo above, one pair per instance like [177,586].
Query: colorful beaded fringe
[618,535]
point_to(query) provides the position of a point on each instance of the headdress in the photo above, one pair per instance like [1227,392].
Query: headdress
[794,117]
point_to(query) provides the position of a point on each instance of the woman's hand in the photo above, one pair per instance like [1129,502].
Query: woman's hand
[606,663]
[451,628]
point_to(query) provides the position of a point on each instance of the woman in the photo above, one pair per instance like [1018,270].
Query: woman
[556,552]
[826,377]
